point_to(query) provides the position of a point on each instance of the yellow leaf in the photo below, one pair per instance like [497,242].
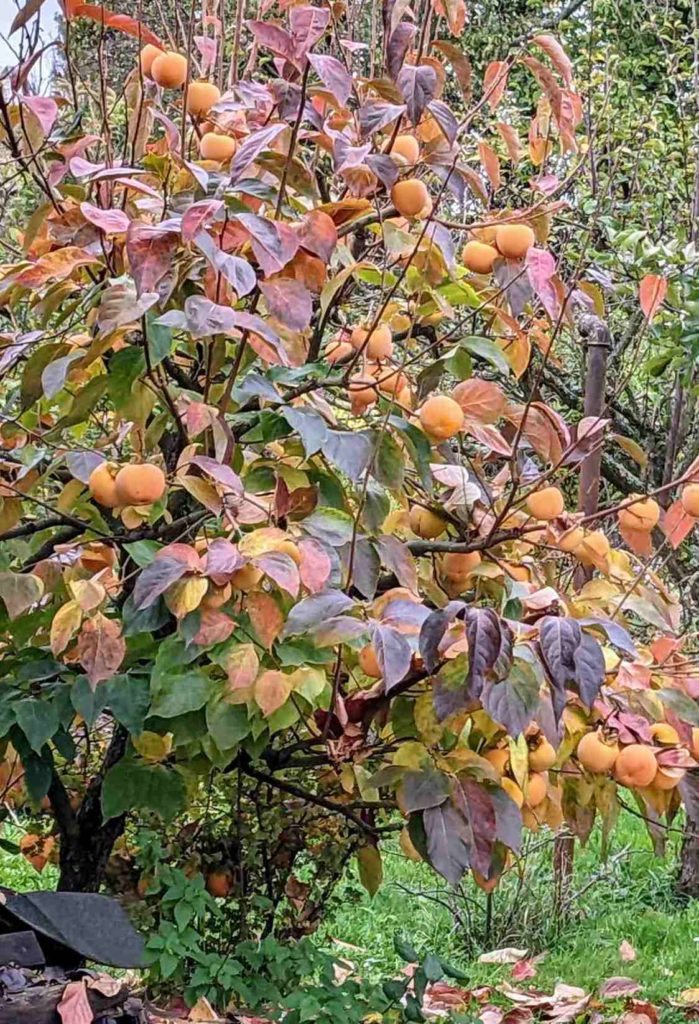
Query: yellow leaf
[425,719]
[517,352]
[271,691]
[519,760]
[89,594]
[370,868]
[152,746]
[242,666]
[411,755]
[66,623]
[632,449]
[186,595]
[259,542]
[406,845]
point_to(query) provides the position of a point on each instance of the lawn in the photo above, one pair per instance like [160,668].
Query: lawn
[630,897]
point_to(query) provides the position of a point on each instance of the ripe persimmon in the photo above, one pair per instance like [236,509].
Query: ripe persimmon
[596,753]
[695,742]
[140,484]
[337,351]
[425,523]
[499,757]
[664,734]
[390,382]
[217,147]
[102,484]
[459,565]
[514,240]
[542,756]
[246,578]
[441,417]
[642,515]
[362,393]
[546,503]
[379,345]
[404,398]
[201,97]
[536,789]
[690,500]
[409,196]
[407,147]
[513,791]
[219,882]
[147,56]
[635,766]
[368,663]
[169,70]
[479,257]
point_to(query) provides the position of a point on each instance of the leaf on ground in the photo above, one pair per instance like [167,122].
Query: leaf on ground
[507,955]
[615,988]
[626,951]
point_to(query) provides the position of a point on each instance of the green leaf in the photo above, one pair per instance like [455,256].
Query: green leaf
[488,350]
[683,705]
[405,950]
[159,339]
[38,720]
[389,465]
[432,966]
[130,786]
[83,404]
[330,525]
[142,552]
[87,702]
[172,658]
[129,700]
[228,724]
[179,694]
[419,448]
[125,367]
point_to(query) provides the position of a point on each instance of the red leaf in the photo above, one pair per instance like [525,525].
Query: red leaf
[198,215]
[652,292]
[288,301]
[638,540]
[208,49]
[101,648]
[23,16]
[509,136]
[541,267]
[317,234]
[121,22]
[559,58]
[214,627]
[74,1007]
[491,162]
[523,969]
[44,109]
[677,524]
[222,560]
[150,249]
[495,82]
[613,988]
[54,266]
[315,565]
[112,222]
[265,616]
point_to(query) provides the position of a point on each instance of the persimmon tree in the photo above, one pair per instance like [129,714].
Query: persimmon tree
[282,500]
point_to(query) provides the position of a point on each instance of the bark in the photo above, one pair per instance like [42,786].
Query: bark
[688,881]
[86,839]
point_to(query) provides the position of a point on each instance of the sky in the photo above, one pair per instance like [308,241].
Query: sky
[8,10]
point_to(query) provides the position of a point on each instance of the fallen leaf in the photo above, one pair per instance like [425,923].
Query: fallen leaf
[74,1007]
[523,969]
[614,988]
[626,951]
[508,955]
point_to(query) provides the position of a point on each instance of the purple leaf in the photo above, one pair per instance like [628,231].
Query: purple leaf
[446,847]
[473,802]
[222,560]
[81,464]
[377,114]
[336,630]
[513,701]
[541,267]
[508,818]
[398,45]
[309,425]
[272,37]
[589,669]
[288,301]
[333,75]
[308,24]
[616,633]
[44,109]
[281,568]
[155,579]
[272,246]
[393,653]
[489,648]
[432,633]
[217,471]
[510,279]
[384,168]
[418,85]
[421,790]
[445,119]
[351,453]
[397,558]
[251,149]
[313,610]
[559,639]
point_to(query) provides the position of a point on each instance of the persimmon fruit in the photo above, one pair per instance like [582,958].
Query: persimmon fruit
[169,70]
[201,97]
[407,147]
[368,662]
[217,147]
[664,781]
[597,754]
[337,351]
[536,789]
[514,240]
[643,515]
[362,393]
[635,766]
[479,257]
[147,56]
[542,757]
[547,503]
[219,882]
[499,757]
[409,196]
[425,523]
[571,540]
[102,485]
[459,565]
[140,484]
[690,500]
[594,545]
[441,417]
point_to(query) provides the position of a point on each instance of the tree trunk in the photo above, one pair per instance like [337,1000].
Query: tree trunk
[688,881]
[86,839]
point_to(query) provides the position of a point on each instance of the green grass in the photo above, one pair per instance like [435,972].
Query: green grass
[15,870]
[630,897]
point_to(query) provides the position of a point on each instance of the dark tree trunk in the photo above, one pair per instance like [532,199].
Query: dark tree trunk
[86,839]
[688,881]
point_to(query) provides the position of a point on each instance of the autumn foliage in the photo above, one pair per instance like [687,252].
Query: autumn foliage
[269,507]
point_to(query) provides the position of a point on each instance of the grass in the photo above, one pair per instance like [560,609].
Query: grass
[630,897]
